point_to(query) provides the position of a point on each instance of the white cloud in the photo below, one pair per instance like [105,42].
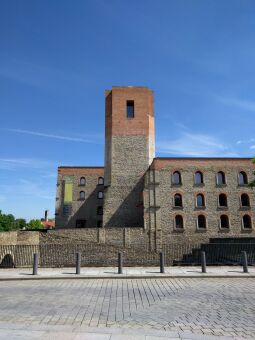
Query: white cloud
[252,147]
[31,163]
[195,145]
[89,139]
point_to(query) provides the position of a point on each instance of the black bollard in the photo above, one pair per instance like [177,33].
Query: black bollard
[162,262]
[245,262]
[120,264]
[78,263]
[203,262]
[35,264]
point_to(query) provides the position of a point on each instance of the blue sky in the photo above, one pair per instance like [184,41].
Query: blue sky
[58,57]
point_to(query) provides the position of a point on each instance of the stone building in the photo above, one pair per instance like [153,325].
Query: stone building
[164,199]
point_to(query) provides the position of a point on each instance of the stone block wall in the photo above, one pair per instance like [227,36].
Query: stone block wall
[67,213]
[160,211]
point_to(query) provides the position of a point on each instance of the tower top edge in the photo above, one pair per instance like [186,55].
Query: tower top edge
[129,87]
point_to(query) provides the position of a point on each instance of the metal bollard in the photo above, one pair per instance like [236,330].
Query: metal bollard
[120,264]
[245,262]
[162,262]
[203,262]
[78,263]
[35,264]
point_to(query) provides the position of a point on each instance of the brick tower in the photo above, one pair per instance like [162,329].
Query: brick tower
[129,151]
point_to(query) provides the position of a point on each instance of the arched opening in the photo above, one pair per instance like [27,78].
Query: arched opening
[176,178]
[221,180]
[82,181]
[223,201]
[178,222]
[178,200]
[200,201]
[245,200]
[224,222]
[247,224]
[199,178]
[201,222]
[82,195]
[243,179]
[7,262]
[100,180]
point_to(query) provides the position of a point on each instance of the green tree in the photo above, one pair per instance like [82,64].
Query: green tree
[7,222]
[21,223]
[34,225]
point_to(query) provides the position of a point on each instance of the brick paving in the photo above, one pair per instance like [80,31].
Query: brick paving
[185,308]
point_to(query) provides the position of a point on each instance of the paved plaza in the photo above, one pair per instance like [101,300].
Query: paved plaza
[145,308]
[128,272]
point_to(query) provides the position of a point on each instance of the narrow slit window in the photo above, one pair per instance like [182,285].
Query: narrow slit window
[130,109]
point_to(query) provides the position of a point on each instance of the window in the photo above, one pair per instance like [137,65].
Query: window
[199,178]
[178,222]
[100,180]
[99,224]
[224,222]
[178,200]
[80,223]
[176,178]
[243,179]
[100,194]
[223,201]
[130,109]
[247,222]
[201,222]
[99,210]
[245,200]
[82,195]
[82,181]
[200,200]
[221,178]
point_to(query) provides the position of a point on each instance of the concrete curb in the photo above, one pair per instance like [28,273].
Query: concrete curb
[123,276]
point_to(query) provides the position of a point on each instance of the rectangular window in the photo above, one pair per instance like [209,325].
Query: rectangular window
[130,109]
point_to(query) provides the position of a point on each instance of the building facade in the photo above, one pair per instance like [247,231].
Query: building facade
[180,199]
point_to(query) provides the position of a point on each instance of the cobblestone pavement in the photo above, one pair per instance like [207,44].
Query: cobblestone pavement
[186,308]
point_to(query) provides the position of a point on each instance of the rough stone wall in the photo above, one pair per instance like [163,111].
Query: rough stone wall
[79,209]
[129,151]
[19,237]
[8,238]
[159,207]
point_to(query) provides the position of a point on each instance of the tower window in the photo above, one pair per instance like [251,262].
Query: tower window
[201,222]
[243,179]
[100,180]
[176,178]
[199,178]
[245,200]
[82,181]
[247,224]
[200,201]
[130,109]
[221,180]
[100,194]
[178,200]
[224,222]
[82,195]
[223,201]
[178,222]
